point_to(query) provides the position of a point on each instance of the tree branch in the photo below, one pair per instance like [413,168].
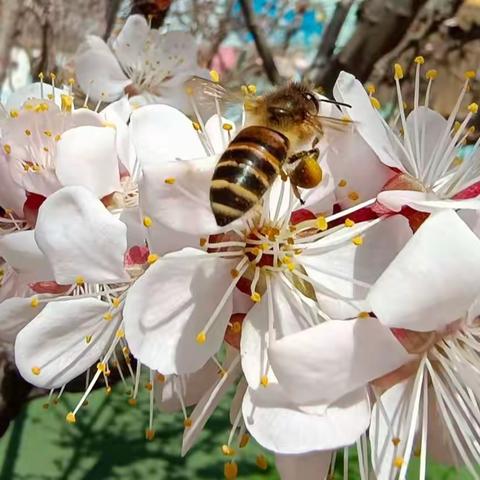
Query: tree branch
[111,15]
[260,42]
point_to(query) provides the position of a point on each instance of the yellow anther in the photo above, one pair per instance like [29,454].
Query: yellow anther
[34,302]
[342,183]
[88,339]
[227,126]
[457,161]
[431,74]
[456,126]
[255,251]
[244,440]
[147,222]
[201,338]
[7,149]
[214,76]
[66,103]
[47,133]
[256,297]
[236,327]
[470,74]
[79,280]
[196,126]
[202,242]
[116,302]
[473,107]
[125,351]
[371,89]
[101,366]
[228,451]
[244,89]
[149,386]
[170,181]
[109,125]
[36,167]
[230,471]
[375,103]
[45,149]
[321,223]
[28,132]
[149,434]
[358,240]
[70,418]
[395,441]
[187,423]
[265,246]
[108,390]
[419,60]
[398,71]
[252,89]
[14,113]
[354,196]
[132,402]
[363,315]
[297,251]
[36,370]
[71,81]
[58,137]
[261,462]
[349,223]
[120,333]
[264,380]
[398,462]
[160,377]
[234,273]
[53,76]
[152,258]
[107,316]
[41,76]
[50,97]
[28,106]
[249,105]
[291,266]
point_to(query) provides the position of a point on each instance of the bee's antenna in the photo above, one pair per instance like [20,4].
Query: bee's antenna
[336,103]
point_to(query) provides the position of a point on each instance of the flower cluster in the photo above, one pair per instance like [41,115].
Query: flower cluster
[350,320]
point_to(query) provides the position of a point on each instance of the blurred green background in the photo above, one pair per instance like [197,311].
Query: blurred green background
[108,442]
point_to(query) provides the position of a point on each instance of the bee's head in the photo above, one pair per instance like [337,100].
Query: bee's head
[289,106]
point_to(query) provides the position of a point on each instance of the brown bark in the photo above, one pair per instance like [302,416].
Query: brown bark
[111,16]
[262,47]
[9,30]
[381,26]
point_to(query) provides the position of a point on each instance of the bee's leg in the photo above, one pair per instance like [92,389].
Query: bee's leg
[296,192]
[283,175]
[315,142]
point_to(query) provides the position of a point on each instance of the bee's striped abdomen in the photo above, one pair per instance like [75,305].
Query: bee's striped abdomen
[245,171]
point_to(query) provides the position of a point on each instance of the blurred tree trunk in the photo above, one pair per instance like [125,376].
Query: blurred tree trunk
[329,39]
[10,14]
[262,47]
[111,16]
[381,26]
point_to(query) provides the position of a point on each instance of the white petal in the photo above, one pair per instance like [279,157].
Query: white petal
[307,466]
[367,120]
[12,195]
[278,425]
[191,387]
[161,133]
[218,136]
[352,160]
[33,90]
[170,305]
[289,315]
[425,128]
[209,402]
[323,363]
[15,313]
[182,207]
[83,117]
[80,237]
[54,341]
[336,270]
[433,280]
[383,451]
[13,284]
[21,252]
[97,70]
[136,232]
[86,156]
[130,42]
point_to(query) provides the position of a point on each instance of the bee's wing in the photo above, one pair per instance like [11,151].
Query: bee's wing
[205,92]
[323,124]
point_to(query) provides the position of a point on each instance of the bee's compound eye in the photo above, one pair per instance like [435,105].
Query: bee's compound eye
[313,102]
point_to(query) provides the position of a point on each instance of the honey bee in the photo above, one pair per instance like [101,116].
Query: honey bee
[272,143]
